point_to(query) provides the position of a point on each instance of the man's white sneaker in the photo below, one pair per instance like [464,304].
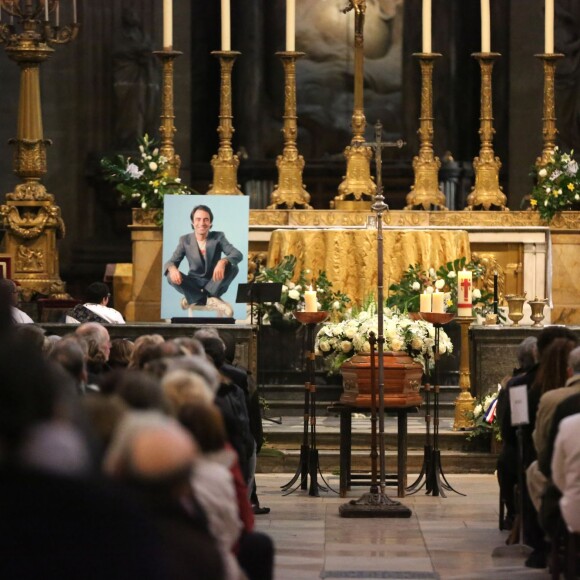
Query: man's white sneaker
[223,308]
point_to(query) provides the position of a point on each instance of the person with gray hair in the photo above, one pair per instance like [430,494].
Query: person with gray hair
[527,355]
[155,456]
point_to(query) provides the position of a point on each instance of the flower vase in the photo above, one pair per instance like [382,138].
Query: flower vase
[402,380]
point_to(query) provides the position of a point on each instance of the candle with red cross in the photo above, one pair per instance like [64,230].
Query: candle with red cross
[464,290]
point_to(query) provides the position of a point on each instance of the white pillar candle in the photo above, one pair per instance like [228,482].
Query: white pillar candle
[426,26]
[167,24]
[226,26]
[310,302]
[464,293]
[549,28]
[438,301]
[485,27]
[74,11]
[290,25]
[57,14]
[46,9]
[425,302]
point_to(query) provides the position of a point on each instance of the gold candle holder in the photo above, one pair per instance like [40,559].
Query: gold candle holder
[549,129]
[225,164]
[30,216]
[290,192]
[425,191]
[464,403]
[486,193]
[167,128]
[358,189]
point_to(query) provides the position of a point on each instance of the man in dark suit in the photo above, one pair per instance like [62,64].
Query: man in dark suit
[213,265]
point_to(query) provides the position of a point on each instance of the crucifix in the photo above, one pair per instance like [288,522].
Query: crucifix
[376,503]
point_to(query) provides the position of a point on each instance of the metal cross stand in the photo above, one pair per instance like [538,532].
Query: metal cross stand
[309,465]
[432,474]
[376,503]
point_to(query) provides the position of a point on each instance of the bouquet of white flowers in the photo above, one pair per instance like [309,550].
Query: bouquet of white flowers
[484,416]
[340,341]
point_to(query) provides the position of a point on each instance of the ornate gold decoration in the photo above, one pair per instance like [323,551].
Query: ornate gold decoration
[485,218]
[515,307]
[487,192]
[425,191]
[358,185]
[549,129]
[464,403]
[30,216]
[167,128]
[225,164]
[537,305]
[490,263]
[290,191]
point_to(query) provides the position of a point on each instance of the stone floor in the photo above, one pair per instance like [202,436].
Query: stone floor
[445,538]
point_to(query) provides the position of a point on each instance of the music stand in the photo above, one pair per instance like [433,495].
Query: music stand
[258,293]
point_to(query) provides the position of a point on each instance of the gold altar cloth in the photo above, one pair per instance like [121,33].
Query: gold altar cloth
[349,257]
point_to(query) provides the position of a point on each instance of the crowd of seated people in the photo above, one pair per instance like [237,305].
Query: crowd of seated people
[137,468]
[551,453]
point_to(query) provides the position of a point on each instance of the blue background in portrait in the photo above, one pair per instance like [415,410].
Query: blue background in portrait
[231,215]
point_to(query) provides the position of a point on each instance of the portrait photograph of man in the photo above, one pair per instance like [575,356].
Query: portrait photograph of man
[203,267]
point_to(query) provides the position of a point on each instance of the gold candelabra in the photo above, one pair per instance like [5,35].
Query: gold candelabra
[549,129]
[487,192]
[425,191]
[290,192]
[358,189]
[167,128]
[225,164]
[31,218]
[464,403]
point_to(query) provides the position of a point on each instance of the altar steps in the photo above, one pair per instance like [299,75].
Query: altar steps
[459,455]
[288,400]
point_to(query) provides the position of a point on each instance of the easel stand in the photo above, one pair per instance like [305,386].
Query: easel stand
[309,466]
[254,294]
[432,475]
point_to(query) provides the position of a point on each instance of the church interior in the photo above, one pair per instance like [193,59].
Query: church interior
[383,146]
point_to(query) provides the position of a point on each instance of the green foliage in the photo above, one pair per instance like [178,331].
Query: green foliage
[144,179]
[293,287]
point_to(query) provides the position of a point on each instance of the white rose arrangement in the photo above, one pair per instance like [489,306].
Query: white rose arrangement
[340,341]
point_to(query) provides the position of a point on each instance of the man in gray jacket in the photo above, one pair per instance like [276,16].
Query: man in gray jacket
[213,265]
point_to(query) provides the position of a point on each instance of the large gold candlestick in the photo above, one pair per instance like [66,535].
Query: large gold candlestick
[225,164]
[167,128]
[290,191]
[549,129]
[487,193]
[464,403]
[31,218]
[358,188]
[425,192]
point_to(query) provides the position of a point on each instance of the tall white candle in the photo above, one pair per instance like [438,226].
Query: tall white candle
[46,8]
[167,24]
[464,293]
[290,25]
[57,14]
[226,26]
[438,302]
[74,11]
[427,26]
[549,30]
[310,301]
[485,27]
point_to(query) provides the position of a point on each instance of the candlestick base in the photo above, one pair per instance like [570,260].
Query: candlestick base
[358,185]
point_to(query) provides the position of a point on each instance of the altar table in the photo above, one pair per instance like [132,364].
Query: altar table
[349,256]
